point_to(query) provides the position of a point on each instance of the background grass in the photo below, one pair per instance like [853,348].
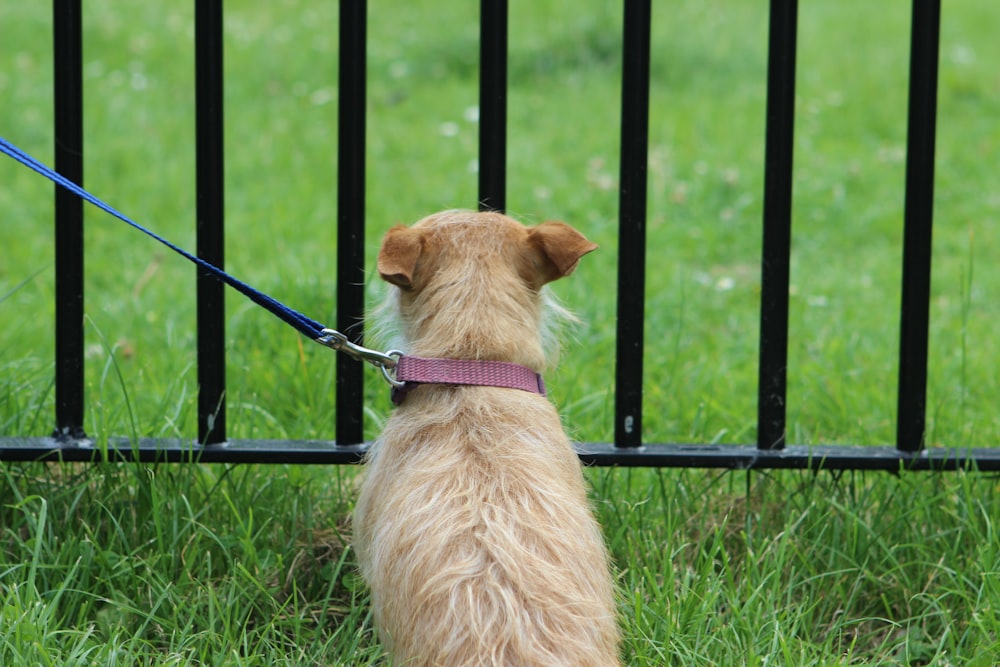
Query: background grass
[116,564]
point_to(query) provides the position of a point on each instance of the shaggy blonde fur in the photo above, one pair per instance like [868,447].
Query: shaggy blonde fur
[473,527]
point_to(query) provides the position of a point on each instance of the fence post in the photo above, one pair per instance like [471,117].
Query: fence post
[492,105]
[777,240]
[210,196]
[69,260]
[352,66]
[632,224]
[918,222]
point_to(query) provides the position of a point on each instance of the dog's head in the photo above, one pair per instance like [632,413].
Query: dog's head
[470,283]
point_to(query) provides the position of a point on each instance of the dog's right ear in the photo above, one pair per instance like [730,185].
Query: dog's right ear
[397,259]
[561,247]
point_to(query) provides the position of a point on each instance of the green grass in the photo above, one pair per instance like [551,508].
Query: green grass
[248,565]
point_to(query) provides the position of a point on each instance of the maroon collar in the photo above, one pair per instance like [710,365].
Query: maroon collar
[416,370]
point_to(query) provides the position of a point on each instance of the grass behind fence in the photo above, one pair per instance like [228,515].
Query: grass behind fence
[251,565]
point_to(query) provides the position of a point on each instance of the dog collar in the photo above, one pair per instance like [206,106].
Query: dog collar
[413,371]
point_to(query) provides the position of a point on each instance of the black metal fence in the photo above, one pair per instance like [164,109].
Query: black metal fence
[70,442]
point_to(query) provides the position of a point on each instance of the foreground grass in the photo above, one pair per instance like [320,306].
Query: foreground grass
[165,565]
[808,571]
[169,565]
[245,566]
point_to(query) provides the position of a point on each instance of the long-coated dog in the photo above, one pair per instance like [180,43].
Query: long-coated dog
[473,527]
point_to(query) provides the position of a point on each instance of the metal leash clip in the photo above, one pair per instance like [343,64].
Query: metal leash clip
[385,361]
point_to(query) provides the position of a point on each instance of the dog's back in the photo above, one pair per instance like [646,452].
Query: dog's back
[473,527]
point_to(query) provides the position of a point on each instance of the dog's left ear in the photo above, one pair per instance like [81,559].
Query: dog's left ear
[561,248]
[397,258]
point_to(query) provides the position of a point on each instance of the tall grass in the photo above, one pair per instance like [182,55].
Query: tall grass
[246,565]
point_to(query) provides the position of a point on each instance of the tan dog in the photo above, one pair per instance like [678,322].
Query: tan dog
[473,527]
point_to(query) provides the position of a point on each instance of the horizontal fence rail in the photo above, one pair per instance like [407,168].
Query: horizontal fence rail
[69,440]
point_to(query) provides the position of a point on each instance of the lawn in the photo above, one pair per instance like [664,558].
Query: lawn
[252,565]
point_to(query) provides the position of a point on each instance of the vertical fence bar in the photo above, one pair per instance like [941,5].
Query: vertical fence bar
[67,33]
[351,215]
[777,237]
[492,105]
[632,224]
[918,222]
[210,194]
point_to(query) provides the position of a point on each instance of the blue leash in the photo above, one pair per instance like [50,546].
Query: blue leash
[305,325]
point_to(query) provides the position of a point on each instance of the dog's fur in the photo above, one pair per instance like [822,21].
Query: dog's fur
[473,528]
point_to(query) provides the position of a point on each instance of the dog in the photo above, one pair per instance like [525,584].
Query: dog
[472,527]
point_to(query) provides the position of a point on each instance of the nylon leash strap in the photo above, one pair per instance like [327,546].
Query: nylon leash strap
[305,325]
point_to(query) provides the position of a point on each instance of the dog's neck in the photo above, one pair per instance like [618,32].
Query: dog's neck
[473,324]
